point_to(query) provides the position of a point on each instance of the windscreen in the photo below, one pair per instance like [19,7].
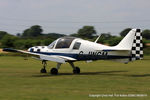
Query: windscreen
[64,42]
[52,45]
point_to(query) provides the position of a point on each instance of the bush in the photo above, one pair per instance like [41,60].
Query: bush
[147,51]
[8,41]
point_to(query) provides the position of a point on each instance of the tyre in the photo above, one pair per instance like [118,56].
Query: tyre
[43,70]
[54,71]
[76,70]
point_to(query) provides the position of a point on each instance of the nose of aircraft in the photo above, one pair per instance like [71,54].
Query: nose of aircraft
[36,49]
[31,49]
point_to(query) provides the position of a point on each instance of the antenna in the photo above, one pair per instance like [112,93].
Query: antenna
[97,38]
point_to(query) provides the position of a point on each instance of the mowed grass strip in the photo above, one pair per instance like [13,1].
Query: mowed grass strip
[21,80]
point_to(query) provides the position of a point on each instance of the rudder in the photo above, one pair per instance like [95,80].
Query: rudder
[137,47]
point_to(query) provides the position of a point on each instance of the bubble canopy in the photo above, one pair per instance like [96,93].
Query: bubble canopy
[62,43]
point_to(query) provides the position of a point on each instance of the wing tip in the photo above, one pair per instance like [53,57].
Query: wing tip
[9,50]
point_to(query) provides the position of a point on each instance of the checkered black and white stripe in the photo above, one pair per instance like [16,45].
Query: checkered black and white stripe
[137,47]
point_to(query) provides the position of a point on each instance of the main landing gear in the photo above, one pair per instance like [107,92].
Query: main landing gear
[54,71]
[76,70]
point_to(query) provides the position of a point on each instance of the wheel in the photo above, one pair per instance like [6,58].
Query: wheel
[43,70]
[54,71]
[76,70]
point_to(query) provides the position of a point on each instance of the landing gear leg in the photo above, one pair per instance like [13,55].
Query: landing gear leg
[43,70]
[54,71]
[76,70]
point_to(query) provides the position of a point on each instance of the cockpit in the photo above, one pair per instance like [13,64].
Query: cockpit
[62,43]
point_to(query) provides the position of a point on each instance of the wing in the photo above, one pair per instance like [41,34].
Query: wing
[55,58]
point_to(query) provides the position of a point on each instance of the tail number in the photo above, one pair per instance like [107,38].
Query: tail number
[104,53]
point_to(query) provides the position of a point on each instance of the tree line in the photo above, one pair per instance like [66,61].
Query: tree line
[34,36]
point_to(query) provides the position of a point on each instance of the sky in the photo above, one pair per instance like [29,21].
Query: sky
[67,16]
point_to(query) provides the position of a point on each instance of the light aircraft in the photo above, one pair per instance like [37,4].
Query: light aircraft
[71,49]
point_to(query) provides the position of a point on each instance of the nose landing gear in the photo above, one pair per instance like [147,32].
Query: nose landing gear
[43,70]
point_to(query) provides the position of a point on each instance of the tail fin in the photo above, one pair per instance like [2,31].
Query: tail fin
[137,47]
[133,41]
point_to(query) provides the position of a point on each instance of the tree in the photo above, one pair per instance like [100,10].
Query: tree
[53,35]
[47,41]
[124,32]
[114,40]
[74,35]
[146,34]
[86,31]
[33,31]
[105,37]
[8,41]
[19,44]
[2,34]
[18,35]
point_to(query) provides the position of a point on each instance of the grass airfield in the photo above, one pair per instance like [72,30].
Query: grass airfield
[21,80]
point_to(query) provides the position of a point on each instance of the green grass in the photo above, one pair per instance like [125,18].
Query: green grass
[20,80]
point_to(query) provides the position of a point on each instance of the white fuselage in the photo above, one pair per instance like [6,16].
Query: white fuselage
[87,50]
